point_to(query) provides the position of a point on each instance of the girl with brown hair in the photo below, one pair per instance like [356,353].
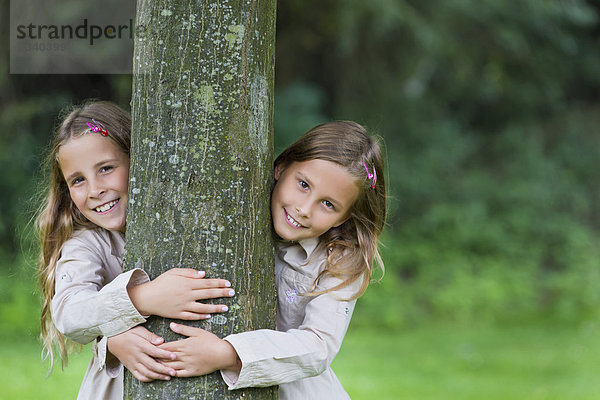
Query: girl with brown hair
[328,209]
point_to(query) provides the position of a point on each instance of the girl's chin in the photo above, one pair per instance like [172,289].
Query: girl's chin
[110,226]
[285,234]
[293,236]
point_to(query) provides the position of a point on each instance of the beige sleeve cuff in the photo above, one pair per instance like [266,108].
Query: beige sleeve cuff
[106,360]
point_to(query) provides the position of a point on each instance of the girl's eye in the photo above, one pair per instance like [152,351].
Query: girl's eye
[77,180]
[328,204]
[303,185]
[106,168]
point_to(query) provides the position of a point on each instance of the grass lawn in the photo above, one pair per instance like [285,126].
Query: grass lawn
[24,374]
[538,360]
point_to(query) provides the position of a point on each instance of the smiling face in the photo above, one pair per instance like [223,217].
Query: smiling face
[97,173]
[311,197]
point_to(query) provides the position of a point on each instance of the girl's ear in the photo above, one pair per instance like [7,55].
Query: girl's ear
[278,171]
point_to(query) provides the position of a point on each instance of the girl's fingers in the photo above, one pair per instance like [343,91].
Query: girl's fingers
[181,371]
[185,330]
[140,377]
[153,369]
[203,283]
[187,272]
[156,340]
[175,365]
[200,308]
[199,311]
[199,275]
[184,373]
[160,369]
[148,361]
[172,347]
[202,294]
[150,375]
[191,316]
[211,283]
[141,374]
[161,354]
[149,336]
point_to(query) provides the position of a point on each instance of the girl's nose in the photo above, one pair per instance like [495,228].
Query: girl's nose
[301,211]
[95,190]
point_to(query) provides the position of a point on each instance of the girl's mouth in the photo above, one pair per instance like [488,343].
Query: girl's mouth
[106,207]
[291,221]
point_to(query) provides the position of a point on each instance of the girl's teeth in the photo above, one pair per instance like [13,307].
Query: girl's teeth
[293,222]
[107,206]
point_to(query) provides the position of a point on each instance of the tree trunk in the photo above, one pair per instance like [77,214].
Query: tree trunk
[201,164]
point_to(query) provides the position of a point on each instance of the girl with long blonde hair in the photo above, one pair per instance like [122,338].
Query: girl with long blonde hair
[86,296]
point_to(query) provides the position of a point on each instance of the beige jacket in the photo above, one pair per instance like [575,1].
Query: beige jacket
[310,330]
[91,303]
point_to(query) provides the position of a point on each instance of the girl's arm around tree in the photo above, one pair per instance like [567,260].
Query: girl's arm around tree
[89,303]
[268,357]
[91,298]
[137,349]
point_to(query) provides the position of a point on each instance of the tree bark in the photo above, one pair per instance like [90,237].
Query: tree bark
[201,165]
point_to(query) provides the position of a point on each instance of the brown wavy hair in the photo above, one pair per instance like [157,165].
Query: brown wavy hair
[353,246]
[58,217]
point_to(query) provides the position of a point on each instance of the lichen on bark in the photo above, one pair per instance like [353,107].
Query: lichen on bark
[201,164]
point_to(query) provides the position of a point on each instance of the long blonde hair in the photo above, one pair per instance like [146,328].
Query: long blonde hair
[58,216]
[353,246]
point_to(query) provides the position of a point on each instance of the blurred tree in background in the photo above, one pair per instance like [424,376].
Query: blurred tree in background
[490,114]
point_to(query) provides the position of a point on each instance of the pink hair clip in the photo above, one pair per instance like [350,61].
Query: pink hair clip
[372,176]
[97,127]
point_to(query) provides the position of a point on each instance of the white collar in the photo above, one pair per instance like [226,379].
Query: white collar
[298,253]
[117,243]
[309,245]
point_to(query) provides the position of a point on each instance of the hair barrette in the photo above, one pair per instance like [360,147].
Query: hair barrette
[372,176]
[97,127]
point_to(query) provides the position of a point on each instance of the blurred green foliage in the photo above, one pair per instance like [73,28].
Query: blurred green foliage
[490,115]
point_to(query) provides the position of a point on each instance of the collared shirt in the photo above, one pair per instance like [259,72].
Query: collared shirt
[91,304]
[310,329]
